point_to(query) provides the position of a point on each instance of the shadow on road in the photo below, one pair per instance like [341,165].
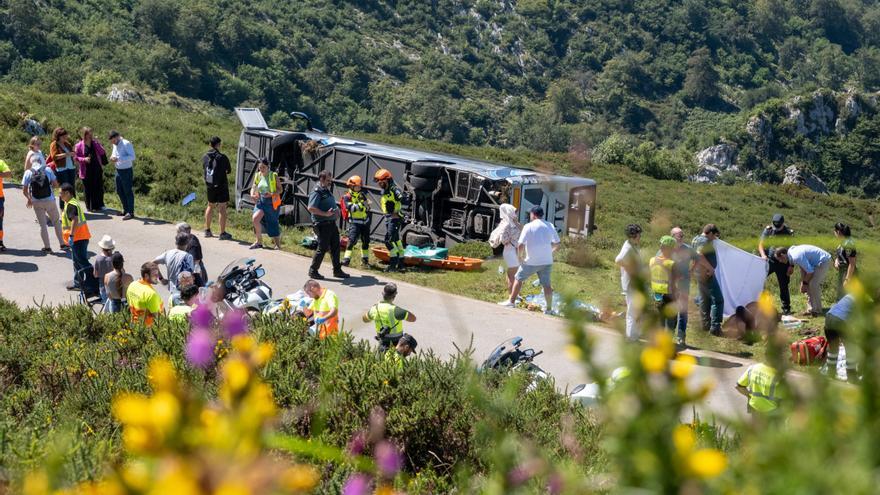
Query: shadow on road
[18,267]
[361,281]
[25,252]
[713,362]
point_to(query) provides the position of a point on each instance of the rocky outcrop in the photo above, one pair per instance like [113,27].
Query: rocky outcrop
[122,94]
[713,161]
[801,177]
[815,117]
[849,112]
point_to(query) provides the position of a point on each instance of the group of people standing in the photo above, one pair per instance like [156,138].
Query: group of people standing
[670,271]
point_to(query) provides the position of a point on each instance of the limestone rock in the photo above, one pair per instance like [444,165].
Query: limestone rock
[124,94]
[713,161]
[794,175]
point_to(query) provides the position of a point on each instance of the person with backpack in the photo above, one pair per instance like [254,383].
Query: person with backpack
[356,209]
[36,185]
[217,167]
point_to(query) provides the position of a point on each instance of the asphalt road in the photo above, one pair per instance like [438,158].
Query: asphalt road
[446,322]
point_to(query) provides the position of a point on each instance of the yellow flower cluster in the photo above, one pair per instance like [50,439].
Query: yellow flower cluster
[696,462]
[176,443]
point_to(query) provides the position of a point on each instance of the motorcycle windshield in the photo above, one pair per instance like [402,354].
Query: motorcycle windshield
[239,263]
[502,350]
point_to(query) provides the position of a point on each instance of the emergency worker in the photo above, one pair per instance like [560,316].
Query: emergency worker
[760,384]
[775,232]
[324,308]
[75,231]
[663,283]
[391,202]
[358,211]
[388,318]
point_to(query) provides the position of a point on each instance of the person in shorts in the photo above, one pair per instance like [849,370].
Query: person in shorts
[217,168]
[537,241]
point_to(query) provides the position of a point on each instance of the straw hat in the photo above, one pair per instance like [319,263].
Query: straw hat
[106,242]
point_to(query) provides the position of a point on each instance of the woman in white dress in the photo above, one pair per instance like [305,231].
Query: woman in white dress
[507,234]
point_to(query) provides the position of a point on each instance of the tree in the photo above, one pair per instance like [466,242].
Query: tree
[701,79]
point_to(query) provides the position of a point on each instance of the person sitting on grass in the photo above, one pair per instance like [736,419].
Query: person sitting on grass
[143,300]
[189,295]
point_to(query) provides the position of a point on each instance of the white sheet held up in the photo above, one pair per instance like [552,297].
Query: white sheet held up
[740,274]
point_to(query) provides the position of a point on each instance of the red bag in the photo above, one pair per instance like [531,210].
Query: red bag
[809,351]
[343,211]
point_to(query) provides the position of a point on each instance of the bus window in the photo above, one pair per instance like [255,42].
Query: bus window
[580,210]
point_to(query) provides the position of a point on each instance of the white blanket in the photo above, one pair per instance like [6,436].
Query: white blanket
[740,274]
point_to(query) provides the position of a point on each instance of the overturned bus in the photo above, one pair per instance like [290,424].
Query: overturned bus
[453,199]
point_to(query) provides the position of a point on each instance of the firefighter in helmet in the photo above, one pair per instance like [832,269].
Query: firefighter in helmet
[357,209]
[391,202]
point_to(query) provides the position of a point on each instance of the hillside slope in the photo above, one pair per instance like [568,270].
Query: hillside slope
[535,73]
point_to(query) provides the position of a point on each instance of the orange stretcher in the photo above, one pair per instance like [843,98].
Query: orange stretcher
[459,263]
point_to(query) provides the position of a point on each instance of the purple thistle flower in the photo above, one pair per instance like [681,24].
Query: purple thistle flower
[234,323]
[518,476]
[555,484]
[358,443]
[357,484]
[388,459]
[200,347]
[201,317]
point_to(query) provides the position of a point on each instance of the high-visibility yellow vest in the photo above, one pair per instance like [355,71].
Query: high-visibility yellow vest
[383,316]
[359,199]
[82,228]
[391,197]
[761,382]
[661,273]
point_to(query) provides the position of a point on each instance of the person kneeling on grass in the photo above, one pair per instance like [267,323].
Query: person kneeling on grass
[760,384]
[324,308]
[539,240]
[406,347]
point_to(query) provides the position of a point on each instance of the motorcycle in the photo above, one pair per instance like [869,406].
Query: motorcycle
[243,288]
[510,356]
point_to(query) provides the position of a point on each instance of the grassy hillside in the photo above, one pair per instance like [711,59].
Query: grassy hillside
[170,142]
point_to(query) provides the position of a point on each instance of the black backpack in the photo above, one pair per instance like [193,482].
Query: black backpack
[40,187]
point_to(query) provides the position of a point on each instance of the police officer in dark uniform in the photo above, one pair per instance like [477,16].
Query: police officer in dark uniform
[783,271]
[323,207]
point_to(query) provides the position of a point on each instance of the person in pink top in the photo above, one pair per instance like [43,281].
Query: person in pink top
[91,158]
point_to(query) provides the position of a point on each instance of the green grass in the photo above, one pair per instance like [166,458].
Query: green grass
[170,142]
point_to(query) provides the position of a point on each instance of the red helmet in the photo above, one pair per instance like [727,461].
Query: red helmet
[382,174]
[354,180]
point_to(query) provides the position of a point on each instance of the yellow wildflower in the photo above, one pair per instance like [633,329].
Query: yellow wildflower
[300,478]
[131,409]
[91,373]
[684,439]
[36,483]
[682,366]
[765,304]
[136,439]
[264,353]
[136,475]
[663,341]
[707,463]
[237,374]
[164,411]
[243,343]
[574,352]
[233,488]
[162,375]
[856,288]
[384,490]
[653,360]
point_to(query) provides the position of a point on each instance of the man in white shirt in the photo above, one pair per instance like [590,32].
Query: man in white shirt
[123,157]
[631,275]
[537,243]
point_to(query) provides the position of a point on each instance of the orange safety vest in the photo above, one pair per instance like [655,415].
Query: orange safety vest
[82,227]
[324,306]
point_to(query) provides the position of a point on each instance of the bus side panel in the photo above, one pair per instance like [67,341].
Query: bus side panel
[251,146]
